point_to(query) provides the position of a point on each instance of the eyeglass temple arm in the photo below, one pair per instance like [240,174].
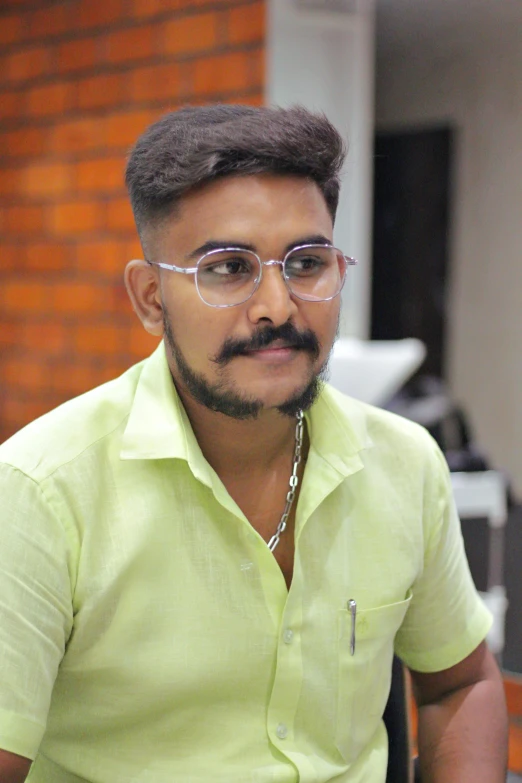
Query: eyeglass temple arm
[185,270]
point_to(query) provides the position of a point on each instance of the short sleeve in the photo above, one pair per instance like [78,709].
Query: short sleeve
[35,609]
[446,619]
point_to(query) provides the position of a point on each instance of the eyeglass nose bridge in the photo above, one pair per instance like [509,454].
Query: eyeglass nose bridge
[272,262]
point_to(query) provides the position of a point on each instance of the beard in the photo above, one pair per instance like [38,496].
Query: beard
[221,398]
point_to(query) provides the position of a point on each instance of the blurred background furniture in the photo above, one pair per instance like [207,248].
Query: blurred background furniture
[374,370]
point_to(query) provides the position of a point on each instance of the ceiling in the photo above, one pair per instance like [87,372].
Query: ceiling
[445,25]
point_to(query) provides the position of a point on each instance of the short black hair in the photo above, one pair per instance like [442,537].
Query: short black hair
[198,144]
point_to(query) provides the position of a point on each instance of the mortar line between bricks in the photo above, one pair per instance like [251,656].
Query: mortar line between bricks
[127,22]
[19,8]
[126,68]
[49,122]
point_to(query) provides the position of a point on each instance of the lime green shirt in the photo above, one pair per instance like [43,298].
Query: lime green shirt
[146,631]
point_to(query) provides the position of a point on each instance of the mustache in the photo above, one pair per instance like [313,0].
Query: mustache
[292,337]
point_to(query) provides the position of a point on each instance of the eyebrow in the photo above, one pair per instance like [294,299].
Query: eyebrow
[218,244]
[313,239]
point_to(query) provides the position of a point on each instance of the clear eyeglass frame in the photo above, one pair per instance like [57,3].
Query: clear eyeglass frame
[192,270]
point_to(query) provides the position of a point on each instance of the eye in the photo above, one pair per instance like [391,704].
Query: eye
[226,265]
[304,264]
[229,267]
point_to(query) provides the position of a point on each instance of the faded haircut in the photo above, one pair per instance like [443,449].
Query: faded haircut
[198,144]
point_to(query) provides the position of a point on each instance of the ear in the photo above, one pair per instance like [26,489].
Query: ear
[143,286]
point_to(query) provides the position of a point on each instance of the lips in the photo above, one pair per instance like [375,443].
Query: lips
[275,346]
[283,341]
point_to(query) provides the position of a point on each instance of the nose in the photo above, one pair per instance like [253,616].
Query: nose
[272,301]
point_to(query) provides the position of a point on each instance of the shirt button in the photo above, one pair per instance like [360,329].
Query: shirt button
[282,731]
[288,636]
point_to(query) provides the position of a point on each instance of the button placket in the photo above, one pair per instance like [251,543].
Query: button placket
[287,684]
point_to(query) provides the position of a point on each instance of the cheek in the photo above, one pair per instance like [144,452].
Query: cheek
[199,330]
[324,323]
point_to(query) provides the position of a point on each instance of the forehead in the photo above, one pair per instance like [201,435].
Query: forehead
[248,208]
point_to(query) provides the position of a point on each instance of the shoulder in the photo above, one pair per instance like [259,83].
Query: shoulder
[62,435]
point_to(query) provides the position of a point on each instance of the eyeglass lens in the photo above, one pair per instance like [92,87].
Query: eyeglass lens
[228,277]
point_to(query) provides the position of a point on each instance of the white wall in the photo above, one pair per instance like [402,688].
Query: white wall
[325,61]
[480,93]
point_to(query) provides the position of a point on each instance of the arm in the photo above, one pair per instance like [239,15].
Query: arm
[13,768]
[35,616]
[462,733]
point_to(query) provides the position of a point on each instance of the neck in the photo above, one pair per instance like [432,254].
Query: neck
[244,447]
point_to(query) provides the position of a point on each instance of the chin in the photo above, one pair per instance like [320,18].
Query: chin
[294,398]
[274,394]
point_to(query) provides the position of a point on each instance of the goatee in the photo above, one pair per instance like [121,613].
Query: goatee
[234,404]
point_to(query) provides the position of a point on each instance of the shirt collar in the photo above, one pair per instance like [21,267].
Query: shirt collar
[158,426]
[337,430]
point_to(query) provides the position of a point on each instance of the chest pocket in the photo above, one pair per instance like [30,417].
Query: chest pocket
[364,678]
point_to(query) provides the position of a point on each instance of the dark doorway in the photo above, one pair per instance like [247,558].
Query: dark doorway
[410,242]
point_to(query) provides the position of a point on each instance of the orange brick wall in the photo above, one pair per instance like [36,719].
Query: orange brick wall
[79,80]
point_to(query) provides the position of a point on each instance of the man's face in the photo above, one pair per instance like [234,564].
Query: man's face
[220,356]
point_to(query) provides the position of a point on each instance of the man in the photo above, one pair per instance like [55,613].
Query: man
[208,562]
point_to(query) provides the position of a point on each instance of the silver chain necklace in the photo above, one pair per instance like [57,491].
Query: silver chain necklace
[294,481]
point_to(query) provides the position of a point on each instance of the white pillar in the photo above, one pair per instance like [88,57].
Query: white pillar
[324,59]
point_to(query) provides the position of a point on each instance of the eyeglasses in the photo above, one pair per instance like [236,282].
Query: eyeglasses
[230,276]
